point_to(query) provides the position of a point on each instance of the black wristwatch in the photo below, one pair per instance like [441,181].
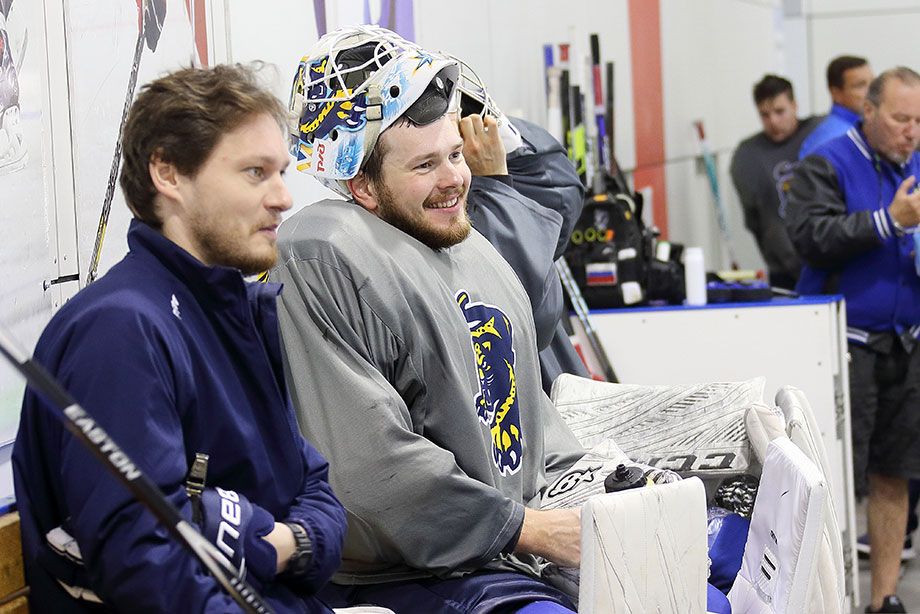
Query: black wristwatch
[303,551]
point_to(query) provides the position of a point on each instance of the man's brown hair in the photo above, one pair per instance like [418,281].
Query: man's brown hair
[772,86]
[840,65]
[180,118]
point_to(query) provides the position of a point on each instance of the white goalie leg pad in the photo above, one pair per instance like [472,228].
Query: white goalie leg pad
[696,428]
[826,593]
[644,550]
[764,424]
[786,529]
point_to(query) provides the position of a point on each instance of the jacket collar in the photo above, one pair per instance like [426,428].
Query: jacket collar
[211,285]
[845,113]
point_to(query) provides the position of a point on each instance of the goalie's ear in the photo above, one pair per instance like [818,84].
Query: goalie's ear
[364,192]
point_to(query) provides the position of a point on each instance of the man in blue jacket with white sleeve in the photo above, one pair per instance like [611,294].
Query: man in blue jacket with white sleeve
[177,356]
[853,213]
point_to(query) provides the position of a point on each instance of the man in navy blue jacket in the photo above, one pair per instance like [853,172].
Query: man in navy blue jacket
[175,354]
[853,209]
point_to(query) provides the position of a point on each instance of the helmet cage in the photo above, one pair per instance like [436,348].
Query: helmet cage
[352,86]
[475,99]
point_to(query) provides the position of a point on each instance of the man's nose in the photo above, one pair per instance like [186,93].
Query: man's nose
[450,175]
[279,196]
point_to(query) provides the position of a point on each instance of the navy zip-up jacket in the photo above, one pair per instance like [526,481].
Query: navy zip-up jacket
[839,222]
[171,357]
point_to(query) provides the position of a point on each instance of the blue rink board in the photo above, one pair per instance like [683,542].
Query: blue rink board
[822,299]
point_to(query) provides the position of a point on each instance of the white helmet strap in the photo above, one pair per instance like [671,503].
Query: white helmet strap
[374,116]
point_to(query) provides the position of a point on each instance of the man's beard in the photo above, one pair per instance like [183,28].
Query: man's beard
[221,248]
[416,225]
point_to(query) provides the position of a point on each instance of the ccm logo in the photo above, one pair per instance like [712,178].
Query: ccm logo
[230,517]
[320,160]
[690,462]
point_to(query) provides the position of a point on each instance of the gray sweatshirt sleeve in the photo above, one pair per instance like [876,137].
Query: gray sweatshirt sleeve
[525,234]
[823,233]
[543,172]
[743,181]
[408,502]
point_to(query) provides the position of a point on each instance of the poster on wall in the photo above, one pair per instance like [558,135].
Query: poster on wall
[27,221]
[114,47]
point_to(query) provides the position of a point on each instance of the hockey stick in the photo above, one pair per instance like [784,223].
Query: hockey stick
[82,426]
[579,151]
[712,172]
[553,76]
[116,159]
[581,311]
[615,170]
[565,97]
[603,146]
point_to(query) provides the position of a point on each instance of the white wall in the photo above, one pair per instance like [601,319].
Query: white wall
[713,51]
[885,34]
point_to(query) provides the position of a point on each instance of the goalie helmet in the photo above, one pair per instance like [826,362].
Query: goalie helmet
[475,99]
[354,84]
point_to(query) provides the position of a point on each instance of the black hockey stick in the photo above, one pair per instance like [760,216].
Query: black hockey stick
[598,173]
[581,311]
[116,159]
[82,426]
[616,170]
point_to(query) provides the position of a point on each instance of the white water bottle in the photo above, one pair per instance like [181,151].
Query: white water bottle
[695,276]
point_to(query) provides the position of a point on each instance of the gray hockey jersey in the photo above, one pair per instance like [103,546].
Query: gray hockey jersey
[415,373]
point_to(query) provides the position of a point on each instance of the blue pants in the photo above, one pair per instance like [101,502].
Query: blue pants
[484,592]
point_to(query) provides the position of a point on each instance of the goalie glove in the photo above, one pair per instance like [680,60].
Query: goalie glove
[237,527]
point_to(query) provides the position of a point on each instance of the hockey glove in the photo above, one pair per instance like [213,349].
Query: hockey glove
[236,527]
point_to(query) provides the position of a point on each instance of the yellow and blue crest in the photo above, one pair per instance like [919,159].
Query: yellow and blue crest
[497,400]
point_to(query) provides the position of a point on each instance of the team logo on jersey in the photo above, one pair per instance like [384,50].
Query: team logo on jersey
[497,400]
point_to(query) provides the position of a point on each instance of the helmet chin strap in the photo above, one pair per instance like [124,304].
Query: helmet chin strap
[374,116]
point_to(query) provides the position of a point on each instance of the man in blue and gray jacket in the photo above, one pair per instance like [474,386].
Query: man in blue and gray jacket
[852,210]
[174,354]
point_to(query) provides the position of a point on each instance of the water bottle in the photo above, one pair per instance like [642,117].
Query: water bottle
[695,276]
[625,478]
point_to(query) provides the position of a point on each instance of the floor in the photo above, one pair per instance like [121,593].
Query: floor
[908,586]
